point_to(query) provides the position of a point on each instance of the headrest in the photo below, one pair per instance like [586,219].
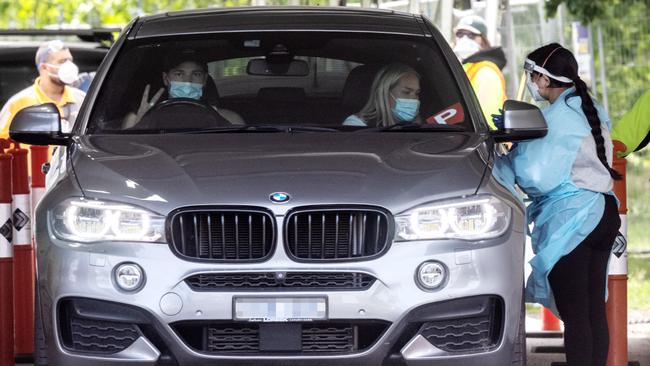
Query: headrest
[281,94]
[356,90]
[210,91]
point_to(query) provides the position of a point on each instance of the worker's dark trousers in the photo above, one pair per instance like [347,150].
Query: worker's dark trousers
[578,284]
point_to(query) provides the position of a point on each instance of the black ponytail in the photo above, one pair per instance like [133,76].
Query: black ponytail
[592,116]
[561,62]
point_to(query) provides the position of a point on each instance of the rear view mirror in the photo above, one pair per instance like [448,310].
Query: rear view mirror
[38,125]
[521,121]
[262,67]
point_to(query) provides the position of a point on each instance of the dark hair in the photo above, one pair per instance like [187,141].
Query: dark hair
[177,57]
[561,62]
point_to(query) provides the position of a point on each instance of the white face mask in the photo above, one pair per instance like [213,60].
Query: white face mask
[68,72]
[465,47]
[533,89]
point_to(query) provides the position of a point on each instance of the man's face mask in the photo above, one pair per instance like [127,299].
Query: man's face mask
[405,110]
[466,47]
[67,72]
[183,89]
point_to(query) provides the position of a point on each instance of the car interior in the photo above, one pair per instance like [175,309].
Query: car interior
[276,78]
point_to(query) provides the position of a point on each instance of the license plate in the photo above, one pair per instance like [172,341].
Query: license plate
[279,309]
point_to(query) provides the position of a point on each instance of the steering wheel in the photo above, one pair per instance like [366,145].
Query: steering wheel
[185,113]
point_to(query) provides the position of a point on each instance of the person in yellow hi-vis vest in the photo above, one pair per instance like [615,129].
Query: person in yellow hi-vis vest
[56,73]
[633,129]
[482,63]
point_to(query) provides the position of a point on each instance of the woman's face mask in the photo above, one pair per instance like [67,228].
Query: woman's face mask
[466,47]
[67,72]
[533,89]
[405,110]
[183,89]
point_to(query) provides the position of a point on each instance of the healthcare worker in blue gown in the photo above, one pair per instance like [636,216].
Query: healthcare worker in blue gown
[568,176]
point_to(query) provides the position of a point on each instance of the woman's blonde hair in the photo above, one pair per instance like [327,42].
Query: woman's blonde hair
[378,106]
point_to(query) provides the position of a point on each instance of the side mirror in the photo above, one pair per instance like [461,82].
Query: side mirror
[521,121]
[38,125]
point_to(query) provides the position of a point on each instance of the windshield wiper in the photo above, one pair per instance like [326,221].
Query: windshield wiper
[264,128]
[415,127]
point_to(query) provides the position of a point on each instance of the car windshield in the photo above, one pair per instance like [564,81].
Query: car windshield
[279,82]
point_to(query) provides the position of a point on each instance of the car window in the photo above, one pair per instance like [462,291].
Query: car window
[272,79]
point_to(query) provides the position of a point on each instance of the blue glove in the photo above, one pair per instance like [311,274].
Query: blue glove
[497,119]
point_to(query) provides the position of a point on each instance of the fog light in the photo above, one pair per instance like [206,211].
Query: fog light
[129,276]
[431,275]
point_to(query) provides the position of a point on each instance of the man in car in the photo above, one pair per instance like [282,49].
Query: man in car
[185,76]
[56,72]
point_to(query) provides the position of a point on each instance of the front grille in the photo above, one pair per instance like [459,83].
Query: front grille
[231,338]
[222,234]
[336,234]
[292,281]
[477,333]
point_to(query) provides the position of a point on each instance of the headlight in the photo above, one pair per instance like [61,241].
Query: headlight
[471,218]
[89,221]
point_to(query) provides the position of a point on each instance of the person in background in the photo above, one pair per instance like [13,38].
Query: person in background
[84,81]
[394,98]
[633,129]
[568,176]
[482,63]
[185,76]
[57,72]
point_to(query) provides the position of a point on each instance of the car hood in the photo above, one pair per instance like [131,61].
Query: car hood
[393,170]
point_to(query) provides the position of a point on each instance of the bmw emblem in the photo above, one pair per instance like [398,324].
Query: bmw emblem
[279,197]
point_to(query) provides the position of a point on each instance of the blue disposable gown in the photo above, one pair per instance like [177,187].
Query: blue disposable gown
[564,179]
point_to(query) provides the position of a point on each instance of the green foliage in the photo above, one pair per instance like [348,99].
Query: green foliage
[626,46]
[39,13]
[639,283]
[586,11]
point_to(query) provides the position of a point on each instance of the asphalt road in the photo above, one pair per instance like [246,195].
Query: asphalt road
[546,348]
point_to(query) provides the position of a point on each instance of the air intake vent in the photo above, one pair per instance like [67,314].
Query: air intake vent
[278,281]
[323,338]
[229,235]
[478,333]
[305,338]
[101,336]
[337,234]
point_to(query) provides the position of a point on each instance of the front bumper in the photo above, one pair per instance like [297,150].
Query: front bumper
[481,275]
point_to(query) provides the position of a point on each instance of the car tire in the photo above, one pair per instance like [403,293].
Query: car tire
[519,349]
[40,346]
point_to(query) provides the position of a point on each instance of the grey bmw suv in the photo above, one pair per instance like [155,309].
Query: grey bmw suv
[287,237]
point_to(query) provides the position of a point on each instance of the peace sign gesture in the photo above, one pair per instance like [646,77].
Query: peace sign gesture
[145,105]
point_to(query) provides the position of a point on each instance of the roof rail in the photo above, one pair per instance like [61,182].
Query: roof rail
[88,35]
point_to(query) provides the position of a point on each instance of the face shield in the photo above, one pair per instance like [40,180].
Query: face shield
[530,66]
